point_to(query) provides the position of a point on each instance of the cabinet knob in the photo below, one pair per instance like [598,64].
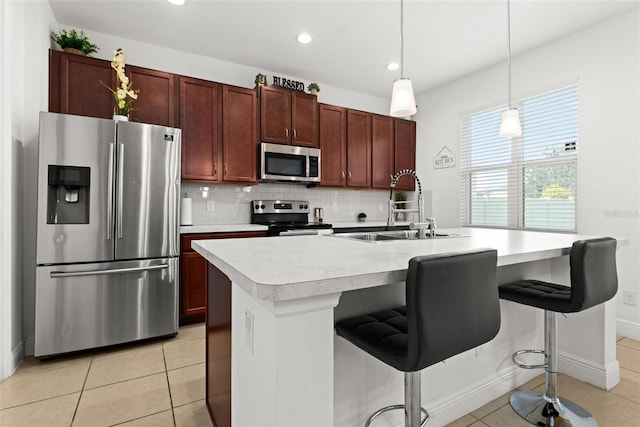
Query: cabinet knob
[295,134]
[225,168]
[286,133]
[349,175]
[342,173]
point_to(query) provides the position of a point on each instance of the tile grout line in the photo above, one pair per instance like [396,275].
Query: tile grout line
[166,374]
[86,377]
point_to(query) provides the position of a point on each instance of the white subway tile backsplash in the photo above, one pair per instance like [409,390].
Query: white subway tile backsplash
[232,203]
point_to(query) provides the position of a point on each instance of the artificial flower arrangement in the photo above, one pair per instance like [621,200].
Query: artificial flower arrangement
[124,93]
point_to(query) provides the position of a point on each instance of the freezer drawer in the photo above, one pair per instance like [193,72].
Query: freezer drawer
[83,306]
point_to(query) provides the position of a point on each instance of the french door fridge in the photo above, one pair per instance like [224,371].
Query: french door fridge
[107,232]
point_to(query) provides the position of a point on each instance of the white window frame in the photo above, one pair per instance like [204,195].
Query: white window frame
[515,172]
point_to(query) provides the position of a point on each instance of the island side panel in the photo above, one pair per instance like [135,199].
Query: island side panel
[282,372]
[218,348]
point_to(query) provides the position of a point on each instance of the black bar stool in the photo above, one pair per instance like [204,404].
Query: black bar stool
[594,280]
[452,306]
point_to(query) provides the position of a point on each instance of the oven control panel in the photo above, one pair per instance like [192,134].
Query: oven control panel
[280,206]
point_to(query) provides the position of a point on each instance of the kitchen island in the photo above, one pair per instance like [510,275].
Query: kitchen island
[289,369]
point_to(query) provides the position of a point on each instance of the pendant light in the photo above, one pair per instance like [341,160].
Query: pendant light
[403,103]
[510,124]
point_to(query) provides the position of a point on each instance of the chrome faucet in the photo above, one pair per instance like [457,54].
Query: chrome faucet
[422,227]
[392,204]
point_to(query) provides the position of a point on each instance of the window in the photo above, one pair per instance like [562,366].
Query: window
[527,182]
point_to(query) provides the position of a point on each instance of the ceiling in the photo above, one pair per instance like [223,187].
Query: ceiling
[353,40]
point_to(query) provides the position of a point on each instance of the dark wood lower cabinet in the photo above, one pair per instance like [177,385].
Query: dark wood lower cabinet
[194,275]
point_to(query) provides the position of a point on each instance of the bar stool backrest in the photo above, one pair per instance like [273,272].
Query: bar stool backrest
[452,304]
[594,277]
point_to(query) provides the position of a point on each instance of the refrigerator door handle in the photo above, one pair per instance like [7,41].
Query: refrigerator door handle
[58,274]
[110,193]
[120,189]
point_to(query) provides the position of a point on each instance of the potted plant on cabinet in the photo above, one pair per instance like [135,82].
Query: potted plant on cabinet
[74,42]
[362,217]
[313,88]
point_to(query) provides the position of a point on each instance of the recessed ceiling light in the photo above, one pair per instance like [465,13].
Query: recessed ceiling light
[391,66]
[177,2]
[304,38]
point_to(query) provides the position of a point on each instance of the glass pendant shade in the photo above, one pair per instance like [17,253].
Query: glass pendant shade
[510,124]
[403,103]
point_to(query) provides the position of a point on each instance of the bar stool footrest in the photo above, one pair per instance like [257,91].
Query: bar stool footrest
[539,411]
[525,366]
[394,407]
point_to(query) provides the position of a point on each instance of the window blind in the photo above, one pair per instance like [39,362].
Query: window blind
[526,182]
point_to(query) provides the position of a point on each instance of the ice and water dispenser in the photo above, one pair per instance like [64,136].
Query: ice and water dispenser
[68,195]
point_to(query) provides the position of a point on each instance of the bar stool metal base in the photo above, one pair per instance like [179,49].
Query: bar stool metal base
[393,407]
[545,412]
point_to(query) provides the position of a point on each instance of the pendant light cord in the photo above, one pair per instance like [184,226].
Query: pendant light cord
[509,53]
[401,39]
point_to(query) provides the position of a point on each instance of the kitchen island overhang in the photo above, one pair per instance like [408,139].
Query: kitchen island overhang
[289,287]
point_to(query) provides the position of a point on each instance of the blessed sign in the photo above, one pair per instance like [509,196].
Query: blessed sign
[288,84]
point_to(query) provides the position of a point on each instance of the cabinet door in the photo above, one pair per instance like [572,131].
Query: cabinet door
[239,134]
[155,103]
[275,115]
[333,145]
[193,287]
[405,151]
[75,88]
[358,149]
[381,151]
[200,123]
[304,119]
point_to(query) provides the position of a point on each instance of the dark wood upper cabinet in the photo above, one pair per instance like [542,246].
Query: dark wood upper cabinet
[288,117]
[155,103]
[381,151]
[333,144]
[304,119]
[239,134]
[75,88]
[358,149]
[275,115]
[405,151]
[201,131]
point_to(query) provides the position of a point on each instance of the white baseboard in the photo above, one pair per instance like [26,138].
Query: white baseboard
[629,329]
[29,346]
[604,377]
[17,354]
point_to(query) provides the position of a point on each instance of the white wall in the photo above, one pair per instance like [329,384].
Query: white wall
[605,62]
[26,28]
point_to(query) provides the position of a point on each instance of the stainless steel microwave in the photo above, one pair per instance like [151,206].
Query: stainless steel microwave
[289,163]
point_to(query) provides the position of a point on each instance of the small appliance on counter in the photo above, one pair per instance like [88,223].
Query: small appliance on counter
[285,217]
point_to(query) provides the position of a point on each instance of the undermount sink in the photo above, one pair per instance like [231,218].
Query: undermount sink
[387,236]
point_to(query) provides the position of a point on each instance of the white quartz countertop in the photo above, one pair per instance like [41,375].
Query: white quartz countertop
[221,228]
[285,268]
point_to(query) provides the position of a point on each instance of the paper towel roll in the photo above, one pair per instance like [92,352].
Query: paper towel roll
[185,212]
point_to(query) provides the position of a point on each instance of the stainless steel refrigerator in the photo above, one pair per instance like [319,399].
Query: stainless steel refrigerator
[107,233]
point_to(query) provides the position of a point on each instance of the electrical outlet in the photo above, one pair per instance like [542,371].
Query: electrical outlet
[380,207]
[211,206]
[248,330]
[630,297]
[334,207]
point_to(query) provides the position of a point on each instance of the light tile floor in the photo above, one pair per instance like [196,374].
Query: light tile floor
[161,383]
